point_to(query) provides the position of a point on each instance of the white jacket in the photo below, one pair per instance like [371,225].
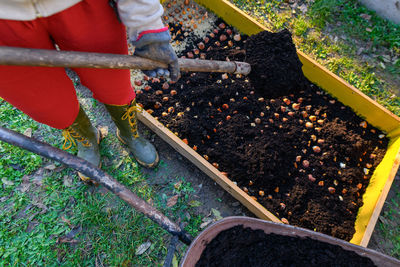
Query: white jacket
[137,15]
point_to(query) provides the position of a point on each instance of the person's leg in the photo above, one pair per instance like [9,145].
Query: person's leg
[45,94]
[92,26]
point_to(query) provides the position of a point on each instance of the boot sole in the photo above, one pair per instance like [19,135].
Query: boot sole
[151,166]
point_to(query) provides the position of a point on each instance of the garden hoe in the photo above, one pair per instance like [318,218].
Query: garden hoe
[17,56]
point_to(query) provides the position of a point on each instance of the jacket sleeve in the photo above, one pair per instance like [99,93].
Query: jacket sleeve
[141,16]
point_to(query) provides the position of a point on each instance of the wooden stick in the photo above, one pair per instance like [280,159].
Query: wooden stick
[97,175]
[17,56]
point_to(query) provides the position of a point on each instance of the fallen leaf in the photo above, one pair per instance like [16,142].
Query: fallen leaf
[124,153]
[386,58]
[28,132]
[25,185]
[50,167]
[365,16]
[303,8]
[103,131]
[174,261]
[204,224]
[119,163]
[65,239]
[66,220]
[36,201]
[68,181]
[172,201]
[2,199]
[178,185]
[216,214]
[142,248]
[195,203]
[7,182]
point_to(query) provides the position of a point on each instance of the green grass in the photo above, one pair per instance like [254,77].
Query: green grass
[55,223]
[389,224]
[314,31]
[379,31]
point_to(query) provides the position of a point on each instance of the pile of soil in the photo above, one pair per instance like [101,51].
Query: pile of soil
[304,156]
[239,246]
[276,68]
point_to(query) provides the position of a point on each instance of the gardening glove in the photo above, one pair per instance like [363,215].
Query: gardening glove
[156,46]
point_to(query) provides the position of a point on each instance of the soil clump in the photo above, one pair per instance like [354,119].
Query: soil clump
[275,66]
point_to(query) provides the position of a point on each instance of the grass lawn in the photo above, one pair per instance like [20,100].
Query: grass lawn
[49,217]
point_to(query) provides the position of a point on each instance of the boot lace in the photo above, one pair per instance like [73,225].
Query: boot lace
[70,135]
[130,114]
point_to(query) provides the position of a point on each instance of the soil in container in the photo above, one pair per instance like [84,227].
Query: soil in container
[239,246]
[304,156]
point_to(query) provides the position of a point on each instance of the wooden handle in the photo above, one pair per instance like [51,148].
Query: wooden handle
[17,56]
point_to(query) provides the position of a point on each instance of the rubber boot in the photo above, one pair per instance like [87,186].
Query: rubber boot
[125,119]
[86,137]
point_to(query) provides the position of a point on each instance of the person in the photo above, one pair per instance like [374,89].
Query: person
[48,95]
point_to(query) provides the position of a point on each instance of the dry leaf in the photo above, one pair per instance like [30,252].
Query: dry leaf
[303,8]
[2,199]
[195,203]
[204,224]
[172,201]
[124,153]
[28,132]
[216,214]
[68,181]
[50,167]
[142,248]
[25,185]
[119,163]
[7,182]
[103,131]
[66,220]
[178,185]
[65,239]
[365,16]
[174,261]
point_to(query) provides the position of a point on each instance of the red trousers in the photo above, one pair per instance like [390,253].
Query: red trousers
[47,94]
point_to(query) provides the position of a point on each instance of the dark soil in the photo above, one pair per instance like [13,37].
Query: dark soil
[276,68]
[270,147]
[240,246]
